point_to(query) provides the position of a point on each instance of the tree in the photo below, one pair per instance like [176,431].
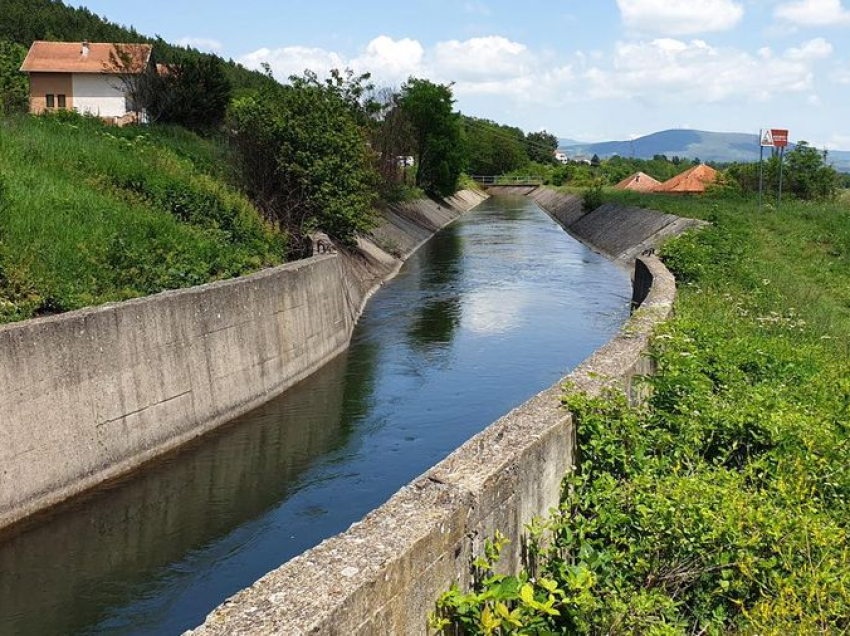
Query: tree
[541,146]
[437,135]
[193,92]
[493,149]
[809,174]
[595,161]
[197,92]
[14,88]
[304,159]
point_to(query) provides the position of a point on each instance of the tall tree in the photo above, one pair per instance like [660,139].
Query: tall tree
[541,146]
[14,88]
[303,158]
[437,133]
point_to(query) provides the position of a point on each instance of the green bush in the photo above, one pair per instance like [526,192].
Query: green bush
[94,214]
[592,197]
[721,506]
[303,157]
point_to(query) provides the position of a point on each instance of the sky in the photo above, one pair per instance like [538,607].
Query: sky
[590,70]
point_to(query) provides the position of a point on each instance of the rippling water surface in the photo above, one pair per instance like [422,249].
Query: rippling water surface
[491,311]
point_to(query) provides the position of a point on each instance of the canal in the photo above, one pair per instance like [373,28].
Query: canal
[494,309]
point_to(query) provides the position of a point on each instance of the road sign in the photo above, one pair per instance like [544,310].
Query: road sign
[774,138]
[780,137]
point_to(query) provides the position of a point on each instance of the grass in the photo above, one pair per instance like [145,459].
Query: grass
[723,505]
[91,214]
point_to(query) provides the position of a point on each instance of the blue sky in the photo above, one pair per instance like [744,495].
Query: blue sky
[586,69]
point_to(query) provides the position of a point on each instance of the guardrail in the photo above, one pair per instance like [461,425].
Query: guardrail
[508,181]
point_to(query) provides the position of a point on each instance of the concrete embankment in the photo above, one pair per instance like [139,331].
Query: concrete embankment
[90,395]
[385,573]
[621,233]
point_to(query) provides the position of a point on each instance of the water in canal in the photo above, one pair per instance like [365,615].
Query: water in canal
[494,309]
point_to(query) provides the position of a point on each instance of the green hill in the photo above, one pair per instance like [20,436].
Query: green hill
[705,145]
[91,214]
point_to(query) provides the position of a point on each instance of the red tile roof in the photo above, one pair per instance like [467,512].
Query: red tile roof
[639,181]
[693,181]
[70,57]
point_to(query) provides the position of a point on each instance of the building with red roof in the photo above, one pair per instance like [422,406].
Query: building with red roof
[87,77]
[639,182]
[693,181]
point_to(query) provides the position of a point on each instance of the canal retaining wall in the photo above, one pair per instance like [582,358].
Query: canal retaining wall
[384,575]
[620,232]
[88,396]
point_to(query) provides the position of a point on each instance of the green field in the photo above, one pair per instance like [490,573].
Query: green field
[723,505]
[91,214]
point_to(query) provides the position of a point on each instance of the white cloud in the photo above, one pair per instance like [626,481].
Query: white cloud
[655,71]
[294,60]
[816,49]
[202,44]
[680,17]
[486,58]
[695,72]
[490,65]
[813,13]
[391,60]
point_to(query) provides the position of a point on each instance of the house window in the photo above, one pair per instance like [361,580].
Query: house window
[60,101]
[50,100]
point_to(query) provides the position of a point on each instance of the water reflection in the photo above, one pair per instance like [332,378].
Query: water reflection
[494,309]
[103,548]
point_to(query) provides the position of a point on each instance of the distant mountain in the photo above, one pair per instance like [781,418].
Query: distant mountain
[708,146]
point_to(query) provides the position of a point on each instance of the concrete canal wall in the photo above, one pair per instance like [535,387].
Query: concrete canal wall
[621,233]
[385,573]
[90,395]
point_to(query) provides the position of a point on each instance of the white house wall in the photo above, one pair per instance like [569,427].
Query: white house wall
[100,95]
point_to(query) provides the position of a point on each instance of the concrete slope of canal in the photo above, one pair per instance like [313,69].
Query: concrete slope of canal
[493,309]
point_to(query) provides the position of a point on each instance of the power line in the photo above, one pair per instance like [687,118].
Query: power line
[494,129]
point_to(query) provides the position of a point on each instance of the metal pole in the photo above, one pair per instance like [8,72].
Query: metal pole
[781,166]
[761,166]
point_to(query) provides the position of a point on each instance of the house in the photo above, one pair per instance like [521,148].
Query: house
[693,181]
[90,78]
[639,182]
[561,157]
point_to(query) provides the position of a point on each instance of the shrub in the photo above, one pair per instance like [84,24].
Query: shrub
[304,159]
[591,198]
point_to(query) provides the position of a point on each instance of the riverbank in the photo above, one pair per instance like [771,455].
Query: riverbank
[721,506]
[386,572]
[93,394]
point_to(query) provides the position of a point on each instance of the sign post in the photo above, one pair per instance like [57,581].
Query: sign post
[780,140]
[772,138]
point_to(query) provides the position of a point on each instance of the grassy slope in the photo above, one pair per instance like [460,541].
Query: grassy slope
[91,214]
[724,506]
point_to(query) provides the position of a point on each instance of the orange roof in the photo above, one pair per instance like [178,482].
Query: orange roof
[639,181]
[693,181]
[82,57]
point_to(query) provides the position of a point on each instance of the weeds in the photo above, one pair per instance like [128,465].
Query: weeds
[92,214]
[722,505]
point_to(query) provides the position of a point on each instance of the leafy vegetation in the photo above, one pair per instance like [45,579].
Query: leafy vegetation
[14,88]
[721,506]
[429,108]
[302,156]
[91,214]
[191,91]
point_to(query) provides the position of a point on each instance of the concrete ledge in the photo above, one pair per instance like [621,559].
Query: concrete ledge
[384,575]
[90,395]
[621,233]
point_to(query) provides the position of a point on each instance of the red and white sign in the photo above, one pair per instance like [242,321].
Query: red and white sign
[774,138]
[780,138]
